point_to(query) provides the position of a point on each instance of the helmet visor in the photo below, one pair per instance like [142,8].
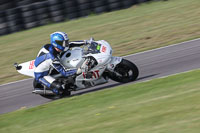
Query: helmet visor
[64,43]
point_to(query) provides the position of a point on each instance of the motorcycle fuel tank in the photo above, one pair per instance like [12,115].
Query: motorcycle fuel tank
[72,58]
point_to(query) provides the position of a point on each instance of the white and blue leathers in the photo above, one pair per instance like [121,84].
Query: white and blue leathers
[48,57]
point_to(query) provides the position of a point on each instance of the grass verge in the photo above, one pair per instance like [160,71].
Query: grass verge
[167,105]
[139,28]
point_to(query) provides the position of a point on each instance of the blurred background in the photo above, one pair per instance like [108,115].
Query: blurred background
[17,15]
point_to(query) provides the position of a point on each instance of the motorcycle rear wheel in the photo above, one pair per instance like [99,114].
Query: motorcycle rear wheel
[125,72]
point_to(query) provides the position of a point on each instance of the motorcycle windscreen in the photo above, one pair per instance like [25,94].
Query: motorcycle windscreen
[27,68]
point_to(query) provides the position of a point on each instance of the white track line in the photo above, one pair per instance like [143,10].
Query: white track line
[169,75]
[15,82]
[122,56]
[162,47]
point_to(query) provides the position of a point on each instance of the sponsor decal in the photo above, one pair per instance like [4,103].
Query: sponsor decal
[95,74]
[98,47]
[103,49]
[31,65]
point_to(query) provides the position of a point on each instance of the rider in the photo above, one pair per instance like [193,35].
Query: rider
[49,56]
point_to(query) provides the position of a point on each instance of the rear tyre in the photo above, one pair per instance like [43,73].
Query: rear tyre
[125,71]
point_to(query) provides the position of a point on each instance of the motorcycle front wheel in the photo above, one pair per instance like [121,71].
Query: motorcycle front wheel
[125,72]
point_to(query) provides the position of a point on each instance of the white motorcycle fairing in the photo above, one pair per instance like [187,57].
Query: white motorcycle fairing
[97,66]
[26,68]
[76,58]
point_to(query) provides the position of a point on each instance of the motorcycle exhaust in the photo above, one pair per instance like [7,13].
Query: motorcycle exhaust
[43,92]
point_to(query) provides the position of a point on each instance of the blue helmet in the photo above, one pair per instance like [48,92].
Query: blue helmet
[59,40]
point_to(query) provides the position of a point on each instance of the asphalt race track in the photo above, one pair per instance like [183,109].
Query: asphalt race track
[152,64]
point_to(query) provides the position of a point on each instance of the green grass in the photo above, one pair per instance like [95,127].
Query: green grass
[139,28]
[166,105]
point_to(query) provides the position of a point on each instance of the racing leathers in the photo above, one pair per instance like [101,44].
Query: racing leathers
[48,58]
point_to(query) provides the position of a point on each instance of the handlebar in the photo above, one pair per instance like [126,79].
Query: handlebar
[93,48]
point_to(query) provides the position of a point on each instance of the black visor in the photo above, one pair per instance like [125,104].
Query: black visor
[62,43]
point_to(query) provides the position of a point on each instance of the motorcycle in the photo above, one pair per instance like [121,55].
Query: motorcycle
[97,66]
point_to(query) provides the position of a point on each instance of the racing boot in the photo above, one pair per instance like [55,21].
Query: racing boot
[56,88]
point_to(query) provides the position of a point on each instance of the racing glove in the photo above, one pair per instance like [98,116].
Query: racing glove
[56,64]
[89,41]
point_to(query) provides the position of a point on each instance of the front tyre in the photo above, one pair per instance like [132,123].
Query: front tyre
[125,71]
